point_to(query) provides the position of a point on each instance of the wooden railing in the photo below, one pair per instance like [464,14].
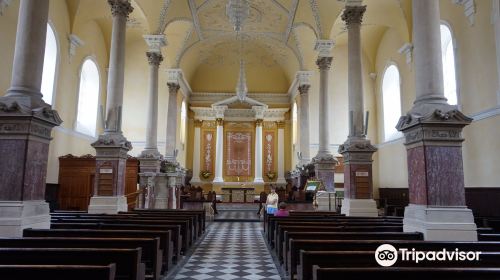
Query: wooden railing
[136,199]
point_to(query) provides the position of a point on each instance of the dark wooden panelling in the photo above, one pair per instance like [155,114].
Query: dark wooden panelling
[76,180]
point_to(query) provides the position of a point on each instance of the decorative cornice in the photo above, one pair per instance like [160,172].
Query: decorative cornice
[154,58]
[176,76]
[112,140]
[259,111]
[215,97]
[353,15]
[324,63]
[155,42]
[304,77]
[207,113]
[120,8]
[324,47]
[162,20]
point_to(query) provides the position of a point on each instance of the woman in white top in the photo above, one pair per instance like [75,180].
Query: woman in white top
[272,201]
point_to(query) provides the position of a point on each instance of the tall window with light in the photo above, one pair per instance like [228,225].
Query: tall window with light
[294,125]
[183,123]
[49,65]
[391,99]
[88,98]
[449,70]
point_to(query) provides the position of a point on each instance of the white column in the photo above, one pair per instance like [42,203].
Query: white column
[429,84]
[151,148]
[170,149]
[281,153]
[219,148]
[304,124]
[258,152]
[114,99]
[324,63]
[196,152]
[496,23]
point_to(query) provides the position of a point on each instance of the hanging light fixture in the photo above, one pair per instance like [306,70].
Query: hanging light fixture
[237,11]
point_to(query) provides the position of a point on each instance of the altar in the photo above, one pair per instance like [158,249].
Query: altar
[238,195]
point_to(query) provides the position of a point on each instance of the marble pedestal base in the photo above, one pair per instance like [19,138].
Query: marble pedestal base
[359,207]
[15,216]
[107,204]
[326,201]
[440,223]
[324,166]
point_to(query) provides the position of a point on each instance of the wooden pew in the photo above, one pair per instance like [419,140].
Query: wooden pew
[299,236]
[58,272]
[200,213]
[371,245]
[150,247]
[175,238]
[95,233]
[338,259]
[128,261]
[309,226]
[279,244]
[185,233]
[407,273]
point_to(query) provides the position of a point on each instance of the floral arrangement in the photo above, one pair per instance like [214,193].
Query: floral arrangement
[271,175]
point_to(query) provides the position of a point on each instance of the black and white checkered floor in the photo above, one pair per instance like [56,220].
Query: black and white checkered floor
[231,250]
[237,215]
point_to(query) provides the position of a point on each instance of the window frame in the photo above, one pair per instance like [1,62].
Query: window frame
[50,25]
[456,60]
[398,134]
[98,117]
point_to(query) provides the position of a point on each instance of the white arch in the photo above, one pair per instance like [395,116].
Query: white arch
[88,97]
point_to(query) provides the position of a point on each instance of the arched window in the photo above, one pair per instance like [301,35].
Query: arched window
[183,123]
[391,98]
[294,124]
[88,98]
[49,65]
[449,76]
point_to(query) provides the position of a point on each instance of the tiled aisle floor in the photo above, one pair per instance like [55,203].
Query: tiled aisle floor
[233,250]
[241,215]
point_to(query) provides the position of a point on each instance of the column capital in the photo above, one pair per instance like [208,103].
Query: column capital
[173,88]
[280,124]
[324,62]
[198,123]
[120,7]
[304,89]
[154,58]
[219,121]
[155,42]
[258,122]
[353,15]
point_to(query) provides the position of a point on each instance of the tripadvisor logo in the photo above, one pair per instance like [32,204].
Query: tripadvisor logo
[387,255]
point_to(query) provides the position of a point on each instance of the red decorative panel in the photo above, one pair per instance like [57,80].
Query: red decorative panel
[269,140]
[238,153]
[208,151]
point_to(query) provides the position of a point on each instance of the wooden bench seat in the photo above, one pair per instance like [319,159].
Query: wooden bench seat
[298,236]
[406,273]
[338,259]
[165,244]
[371,245]
[128,261]
[58,272]
[150,247]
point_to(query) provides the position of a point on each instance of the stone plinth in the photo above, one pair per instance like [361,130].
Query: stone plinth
[358,178]
[109,182]
[15,216]
[433,142]
[107,204]
[175,176]
[24,145]
[324,168]
[325,201]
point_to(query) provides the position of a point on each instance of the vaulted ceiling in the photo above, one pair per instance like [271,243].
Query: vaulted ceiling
[279,34]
